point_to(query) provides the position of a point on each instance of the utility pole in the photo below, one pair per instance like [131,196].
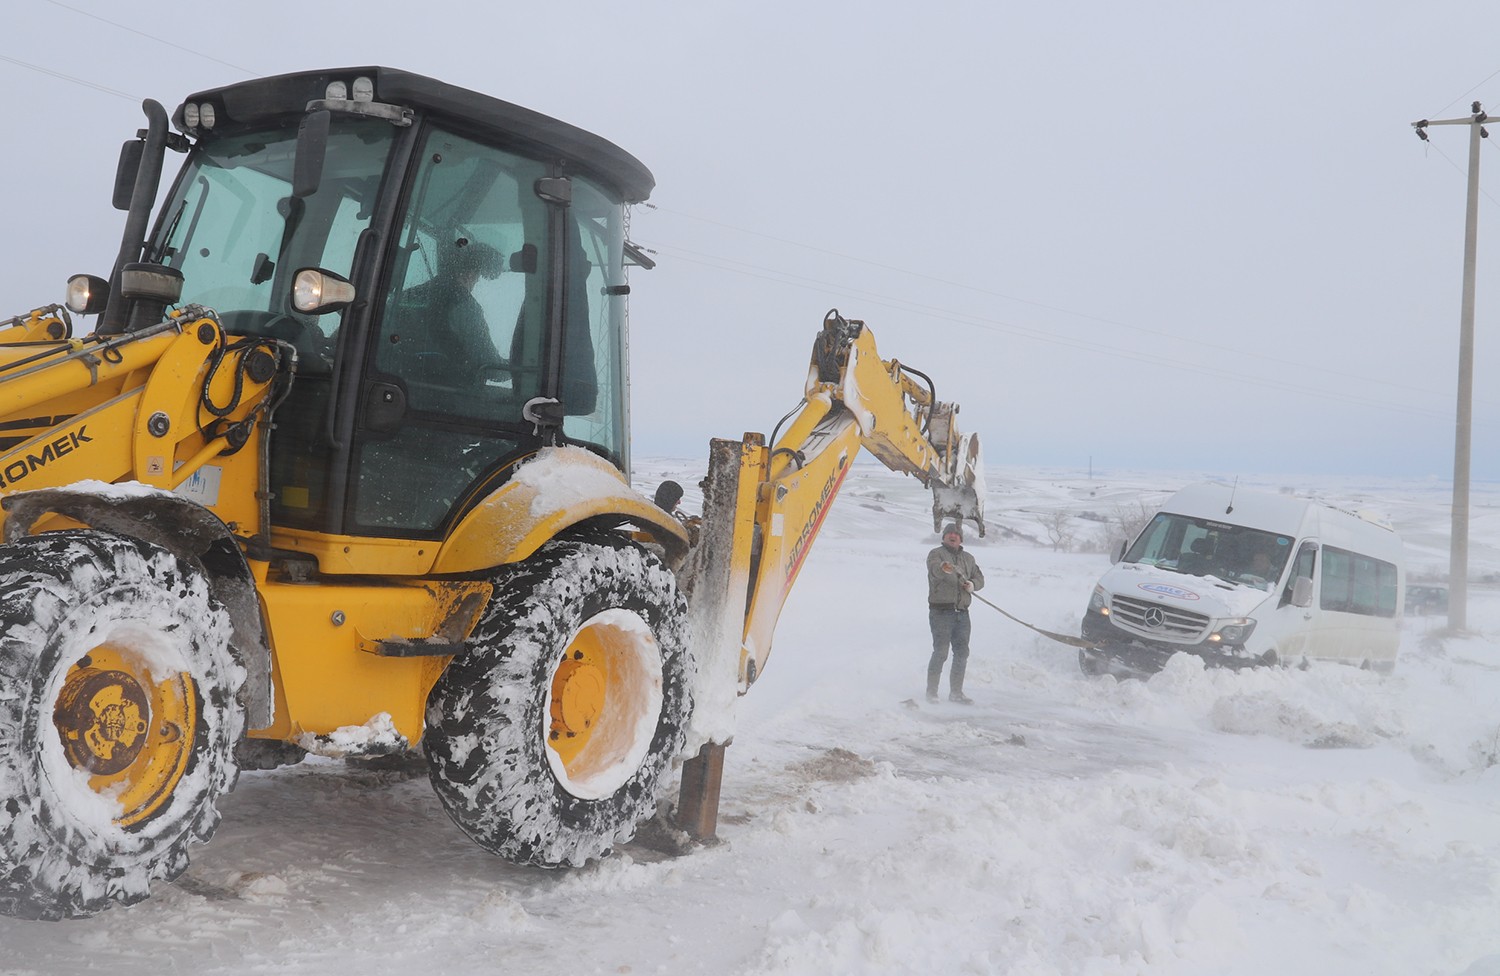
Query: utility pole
[1458,547]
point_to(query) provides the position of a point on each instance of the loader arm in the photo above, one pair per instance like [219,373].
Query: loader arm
[48,323]
[763,506]
[156,406]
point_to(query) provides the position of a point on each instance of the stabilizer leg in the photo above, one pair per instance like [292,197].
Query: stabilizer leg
[698,801]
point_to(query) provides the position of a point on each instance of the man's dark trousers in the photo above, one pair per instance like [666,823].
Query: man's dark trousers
[950,628]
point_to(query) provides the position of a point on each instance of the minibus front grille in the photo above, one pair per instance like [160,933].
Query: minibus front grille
[1141,616]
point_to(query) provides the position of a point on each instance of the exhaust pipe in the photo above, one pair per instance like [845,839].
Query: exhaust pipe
[116,315]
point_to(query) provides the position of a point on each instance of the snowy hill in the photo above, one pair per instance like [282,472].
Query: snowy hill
[1287,821]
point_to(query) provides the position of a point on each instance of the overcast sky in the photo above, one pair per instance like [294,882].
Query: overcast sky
[1194,236]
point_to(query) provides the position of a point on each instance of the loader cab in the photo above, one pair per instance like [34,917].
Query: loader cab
[486,249]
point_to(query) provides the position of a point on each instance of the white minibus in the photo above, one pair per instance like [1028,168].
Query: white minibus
[1240,577]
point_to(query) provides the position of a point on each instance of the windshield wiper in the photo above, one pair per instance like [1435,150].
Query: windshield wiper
[156,256]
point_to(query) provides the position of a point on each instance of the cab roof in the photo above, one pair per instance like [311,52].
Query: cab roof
[264,99]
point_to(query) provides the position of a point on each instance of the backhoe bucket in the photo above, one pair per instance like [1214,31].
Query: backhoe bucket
[962,497]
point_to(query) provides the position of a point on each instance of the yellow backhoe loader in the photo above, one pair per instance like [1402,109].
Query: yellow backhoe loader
[342,467]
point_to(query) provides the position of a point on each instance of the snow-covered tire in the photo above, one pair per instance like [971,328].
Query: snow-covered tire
[586,637]
[118,718]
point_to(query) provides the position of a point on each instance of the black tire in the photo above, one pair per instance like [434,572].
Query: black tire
[589,633]
[1089,664]
[118,718]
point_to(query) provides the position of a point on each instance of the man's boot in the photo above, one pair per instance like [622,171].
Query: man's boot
[956,678]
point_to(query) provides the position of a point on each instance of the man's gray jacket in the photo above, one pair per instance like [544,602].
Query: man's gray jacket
[945,590]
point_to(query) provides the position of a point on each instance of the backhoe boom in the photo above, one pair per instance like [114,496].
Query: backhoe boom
[763,506]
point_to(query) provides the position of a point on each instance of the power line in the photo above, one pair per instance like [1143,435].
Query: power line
[1050,337]
[74,79]
[152,37]
[994,325]
[1144,330]
[906,271]
[71,78]
[1460,171]
[1468,93]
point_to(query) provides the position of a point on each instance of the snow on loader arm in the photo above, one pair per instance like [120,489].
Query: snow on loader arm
[763,506]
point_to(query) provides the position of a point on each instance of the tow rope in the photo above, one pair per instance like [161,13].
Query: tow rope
[1064,638]
[1061,638]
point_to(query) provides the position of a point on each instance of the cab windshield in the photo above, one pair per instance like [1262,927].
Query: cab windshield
[234,230]
[1201,547]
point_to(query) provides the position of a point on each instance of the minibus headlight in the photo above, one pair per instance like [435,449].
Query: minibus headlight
[1099,602]
[1235,631]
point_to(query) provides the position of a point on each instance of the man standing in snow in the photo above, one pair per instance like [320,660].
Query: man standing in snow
[952,575]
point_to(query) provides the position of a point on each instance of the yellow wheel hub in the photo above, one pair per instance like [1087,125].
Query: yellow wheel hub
[605,704]
[132,735]
[580,687]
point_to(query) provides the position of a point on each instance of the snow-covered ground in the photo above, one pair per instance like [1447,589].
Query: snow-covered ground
[1274,821]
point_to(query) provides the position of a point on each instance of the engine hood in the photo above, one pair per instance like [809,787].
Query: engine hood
[1207,595]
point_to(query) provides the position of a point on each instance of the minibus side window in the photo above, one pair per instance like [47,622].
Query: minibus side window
[1355,583]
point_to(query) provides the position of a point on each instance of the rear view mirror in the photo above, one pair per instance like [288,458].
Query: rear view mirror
[1302,591]
[130,164]
[312,149]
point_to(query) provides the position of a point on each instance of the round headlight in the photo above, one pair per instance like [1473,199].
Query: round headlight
[206,113]
[364,89]
[190,116]
[315,292]
[337,91]
[87,294]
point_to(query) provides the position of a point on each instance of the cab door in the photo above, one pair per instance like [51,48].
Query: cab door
[461,345]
